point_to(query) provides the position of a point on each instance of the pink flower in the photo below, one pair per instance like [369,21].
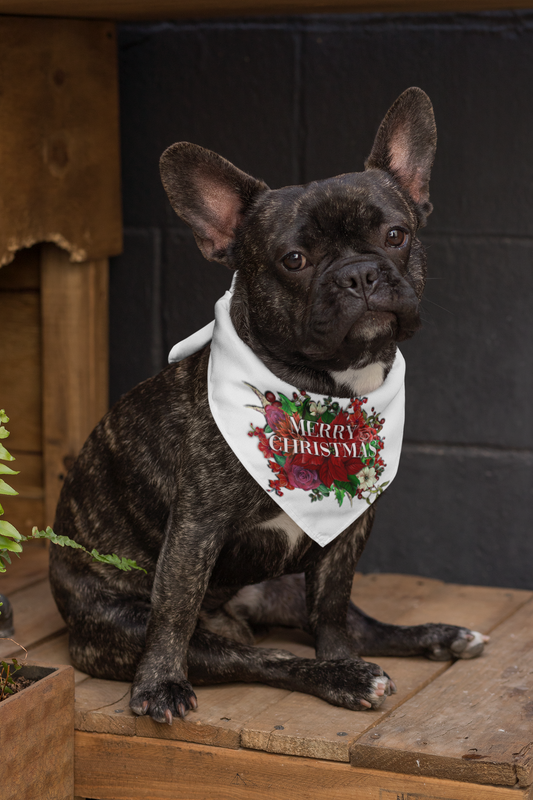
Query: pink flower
[301,477]
[275,416]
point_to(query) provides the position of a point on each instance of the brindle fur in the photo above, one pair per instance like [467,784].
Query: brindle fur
[157,482]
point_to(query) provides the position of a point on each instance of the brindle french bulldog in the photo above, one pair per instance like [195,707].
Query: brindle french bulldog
[330,277]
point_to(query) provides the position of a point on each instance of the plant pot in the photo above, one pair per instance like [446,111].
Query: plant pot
[37,737]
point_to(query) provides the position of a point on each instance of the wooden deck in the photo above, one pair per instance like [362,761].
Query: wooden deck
[454,731]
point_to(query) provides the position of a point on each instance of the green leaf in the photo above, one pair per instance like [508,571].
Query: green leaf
[287,405]
[327,417]
[4,433]
[62,541]
[280,459]
[339,494]
[323,490]
[9,544]
[9,530]
[125,564]
[5,470]
[354,481]
[5,488]
[267,429]
[344,485]
[5,455]
[3,416]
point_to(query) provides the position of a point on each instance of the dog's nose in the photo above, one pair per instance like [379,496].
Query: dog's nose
[361,278]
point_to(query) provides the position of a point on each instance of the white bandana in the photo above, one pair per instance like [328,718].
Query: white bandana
[324,460]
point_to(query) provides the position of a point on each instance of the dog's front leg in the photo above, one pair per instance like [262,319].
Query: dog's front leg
[328,585]
[161,688]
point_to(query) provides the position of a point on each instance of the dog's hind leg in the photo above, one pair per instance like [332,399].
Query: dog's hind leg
[281,602]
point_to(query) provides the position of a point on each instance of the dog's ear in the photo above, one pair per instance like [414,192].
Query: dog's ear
[209,194]
[405,146]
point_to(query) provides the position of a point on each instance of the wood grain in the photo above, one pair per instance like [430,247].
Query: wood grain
[474,722]
[174,9]
[36,618]
[59,151]
[23,572]
[126,768]
[20,364]
[24,272]
[55,651]
[307,726]
[74,301]
[37,741]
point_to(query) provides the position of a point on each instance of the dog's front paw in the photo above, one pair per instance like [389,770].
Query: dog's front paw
[164,700]
[456,643]
[355,684]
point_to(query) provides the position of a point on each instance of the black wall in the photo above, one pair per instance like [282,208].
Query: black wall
[292,100]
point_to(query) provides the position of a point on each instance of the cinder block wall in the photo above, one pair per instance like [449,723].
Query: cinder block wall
[295,99]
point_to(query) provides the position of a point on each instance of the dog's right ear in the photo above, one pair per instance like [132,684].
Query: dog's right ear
[405,146]
[209,194]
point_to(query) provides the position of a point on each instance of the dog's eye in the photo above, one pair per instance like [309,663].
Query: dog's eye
[396,237]
[294,261]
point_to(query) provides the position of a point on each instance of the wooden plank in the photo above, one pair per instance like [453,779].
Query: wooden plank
[59,152]
[27,508]
[222,712]
[36,740]
[55,651]
[75,360]
[103,707]
[133,768]
[474,723]
[23,572]
[306,726]
[174,9]
[20,363]
[36,618]
[22,273]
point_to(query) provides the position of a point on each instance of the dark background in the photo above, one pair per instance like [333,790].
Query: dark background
[295,99]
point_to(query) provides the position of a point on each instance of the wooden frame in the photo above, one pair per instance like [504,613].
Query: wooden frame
[174,9]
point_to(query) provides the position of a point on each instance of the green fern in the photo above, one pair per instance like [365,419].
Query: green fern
[10,538]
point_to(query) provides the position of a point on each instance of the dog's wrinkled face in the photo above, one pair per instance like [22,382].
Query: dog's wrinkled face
[330,274]
[334,264]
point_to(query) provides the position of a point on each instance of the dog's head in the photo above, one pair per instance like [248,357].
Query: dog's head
[330,273]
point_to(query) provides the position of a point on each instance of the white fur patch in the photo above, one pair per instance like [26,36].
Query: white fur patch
[362,381]
[475,647]
[287,525]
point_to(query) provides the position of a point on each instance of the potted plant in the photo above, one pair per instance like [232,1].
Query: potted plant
[36,702]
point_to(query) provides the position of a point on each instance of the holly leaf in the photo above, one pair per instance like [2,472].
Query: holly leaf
[345,485]
[287,405]
[339,494]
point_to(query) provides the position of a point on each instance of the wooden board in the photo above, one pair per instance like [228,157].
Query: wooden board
[75,360]
[36,618]
[173,9]
[20,364]
[473,723]
[59,151]
[264,718]
[124,768]
[23,572]
[36,740]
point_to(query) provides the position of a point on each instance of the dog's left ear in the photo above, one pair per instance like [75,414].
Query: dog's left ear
[210,194]
[405,146]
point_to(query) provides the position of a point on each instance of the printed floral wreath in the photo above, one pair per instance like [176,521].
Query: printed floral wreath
[302,427]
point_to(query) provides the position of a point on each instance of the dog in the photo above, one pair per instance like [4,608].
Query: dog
[329,278]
